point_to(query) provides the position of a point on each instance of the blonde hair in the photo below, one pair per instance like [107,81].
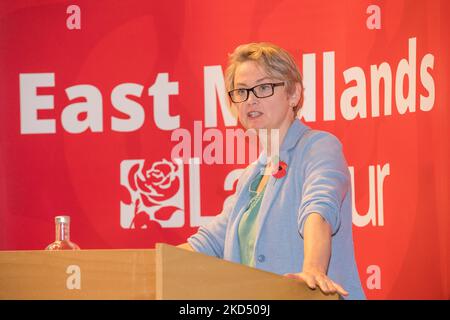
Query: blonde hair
[275,61]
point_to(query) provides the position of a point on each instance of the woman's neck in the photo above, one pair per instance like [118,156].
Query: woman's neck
[271,140]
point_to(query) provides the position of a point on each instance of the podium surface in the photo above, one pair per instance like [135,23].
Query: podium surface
[166,272]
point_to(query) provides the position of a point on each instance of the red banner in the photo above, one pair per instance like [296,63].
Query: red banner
[98,95]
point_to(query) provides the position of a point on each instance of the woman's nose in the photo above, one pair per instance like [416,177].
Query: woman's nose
[252,99]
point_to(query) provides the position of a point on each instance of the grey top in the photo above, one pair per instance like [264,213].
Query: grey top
[317,180]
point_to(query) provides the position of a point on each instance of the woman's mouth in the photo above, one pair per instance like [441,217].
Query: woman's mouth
[254,114]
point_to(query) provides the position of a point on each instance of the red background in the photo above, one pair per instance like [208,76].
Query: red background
[43,175]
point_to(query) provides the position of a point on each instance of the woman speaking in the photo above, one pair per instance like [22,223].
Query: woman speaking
[291,213]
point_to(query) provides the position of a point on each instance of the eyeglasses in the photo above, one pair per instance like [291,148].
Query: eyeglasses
[263,90]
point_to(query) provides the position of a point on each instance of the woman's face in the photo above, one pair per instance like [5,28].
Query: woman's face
[274,112]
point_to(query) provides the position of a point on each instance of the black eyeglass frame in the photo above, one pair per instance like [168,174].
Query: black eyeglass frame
[273,85]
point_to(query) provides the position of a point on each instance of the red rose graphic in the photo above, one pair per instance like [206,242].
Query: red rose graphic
[155,185]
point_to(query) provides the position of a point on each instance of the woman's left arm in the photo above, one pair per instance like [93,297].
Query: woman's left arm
[326,182]
[317,252]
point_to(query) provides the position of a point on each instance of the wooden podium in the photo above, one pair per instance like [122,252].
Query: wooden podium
[164,273]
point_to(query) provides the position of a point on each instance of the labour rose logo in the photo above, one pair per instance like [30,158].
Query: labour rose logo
[156,195]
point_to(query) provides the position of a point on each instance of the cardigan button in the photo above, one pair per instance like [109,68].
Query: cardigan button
[261,258]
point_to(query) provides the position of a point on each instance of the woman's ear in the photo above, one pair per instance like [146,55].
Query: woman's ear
[294,98]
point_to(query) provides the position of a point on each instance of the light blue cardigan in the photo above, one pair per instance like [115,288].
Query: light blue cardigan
[317,180]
